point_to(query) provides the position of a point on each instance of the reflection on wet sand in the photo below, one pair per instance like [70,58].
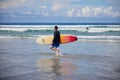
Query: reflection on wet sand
[57,67]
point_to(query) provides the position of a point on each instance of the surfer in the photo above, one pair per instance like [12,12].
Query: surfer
[56,41]
[87,29]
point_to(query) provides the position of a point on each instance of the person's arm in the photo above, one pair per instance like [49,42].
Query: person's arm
[54,37]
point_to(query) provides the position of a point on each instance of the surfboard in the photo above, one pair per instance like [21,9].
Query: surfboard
[64,38]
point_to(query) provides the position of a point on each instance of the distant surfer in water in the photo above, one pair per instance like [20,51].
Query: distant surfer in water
[56,41]
[87,29]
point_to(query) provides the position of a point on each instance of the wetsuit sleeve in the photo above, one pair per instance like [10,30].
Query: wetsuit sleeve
[54,37]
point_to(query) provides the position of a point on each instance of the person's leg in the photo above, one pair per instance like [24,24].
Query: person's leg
[52,47]
[55,48]
[58,52]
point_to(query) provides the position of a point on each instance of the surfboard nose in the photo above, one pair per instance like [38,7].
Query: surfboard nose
[73,38]
[76,38]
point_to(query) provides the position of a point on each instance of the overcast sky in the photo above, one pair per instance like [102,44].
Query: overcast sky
[60,11]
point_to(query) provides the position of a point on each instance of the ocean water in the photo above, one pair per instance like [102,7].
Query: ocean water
[85,32]
[94,56]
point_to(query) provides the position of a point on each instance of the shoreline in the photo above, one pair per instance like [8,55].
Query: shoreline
[24,59]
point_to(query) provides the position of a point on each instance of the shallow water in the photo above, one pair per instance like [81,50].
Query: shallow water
[24,59]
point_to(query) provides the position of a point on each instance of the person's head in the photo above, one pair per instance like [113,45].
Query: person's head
[56,28]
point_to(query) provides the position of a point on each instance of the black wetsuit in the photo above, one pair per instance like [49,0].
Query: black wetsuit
[56,38]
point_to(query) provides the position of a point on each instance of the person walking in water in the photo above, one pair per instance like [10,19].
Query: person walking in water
[56,41]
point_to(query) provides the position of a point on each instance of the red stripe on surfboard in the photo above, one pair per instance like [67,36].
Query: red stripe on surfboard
[67,39]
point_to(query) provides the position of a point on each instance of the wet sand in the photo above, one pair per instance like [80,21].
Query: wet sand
[24,59]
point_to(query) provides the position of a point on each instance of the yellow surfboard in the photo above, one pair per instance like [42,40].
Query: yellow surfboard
[64,38]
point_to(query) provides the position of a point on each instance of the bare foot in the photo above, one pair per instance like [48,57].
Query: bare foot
[60,54]
[56,54]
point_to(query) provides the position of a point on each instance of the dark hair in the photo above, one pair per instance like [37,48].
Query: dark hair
[56,27]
